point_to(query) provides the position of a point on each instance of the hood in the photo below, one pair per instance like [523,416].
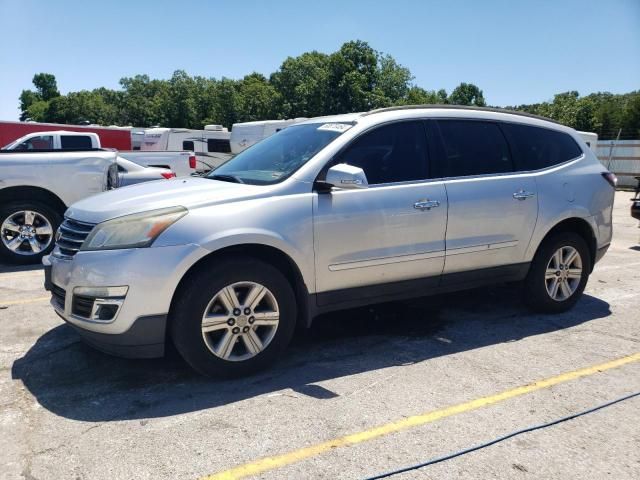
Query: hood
[187,192]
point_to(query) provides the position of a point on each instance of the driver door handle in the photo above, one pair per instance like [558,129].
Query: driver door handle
[523,195]
[426,204]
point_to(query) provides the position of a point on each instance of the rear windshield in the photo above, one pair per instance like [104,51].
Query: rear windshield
[280,155]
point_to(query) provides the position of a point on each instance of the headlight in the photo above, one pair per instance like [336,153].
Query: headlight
[132,231]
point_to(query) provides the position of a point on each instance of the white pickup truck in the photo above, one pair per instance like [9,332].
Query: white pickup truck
[182,163]
[35,190]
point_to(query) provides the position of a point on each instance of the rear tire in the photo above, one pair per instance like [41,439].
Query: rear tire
[558,273]
[218,327]
[27,231]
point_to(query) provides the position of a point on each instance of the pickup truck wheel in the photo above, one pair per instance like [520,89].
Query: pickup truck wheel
[558,274]
[27,231]
[233,318]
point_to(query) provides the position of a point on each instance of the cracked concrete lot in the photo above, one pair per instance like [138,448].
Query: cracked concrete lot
[68,411]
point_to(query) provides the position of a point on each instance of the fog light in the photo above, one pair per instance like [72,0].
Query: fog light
[105,312]
[98,304]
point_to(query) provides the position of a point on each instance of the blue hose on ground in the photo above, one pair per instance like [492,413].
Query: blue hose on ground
[501,439]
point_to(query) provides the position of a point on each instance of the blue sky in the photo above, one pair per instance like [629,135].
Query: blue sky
[516,51]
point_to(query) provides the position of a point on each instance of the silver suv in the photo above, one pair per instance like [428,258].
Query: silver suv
[331,213]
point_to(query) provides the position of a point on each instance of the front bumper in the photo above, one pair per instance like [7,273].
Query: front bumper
[151,275]
[145,338]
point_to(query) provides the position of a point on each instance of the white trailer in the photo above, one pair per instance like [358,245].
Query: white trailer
[210,145]
[245,134]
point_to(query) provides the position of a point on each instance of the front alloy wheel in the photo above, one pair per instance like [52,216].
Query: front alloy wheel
[233,316]
[240,321]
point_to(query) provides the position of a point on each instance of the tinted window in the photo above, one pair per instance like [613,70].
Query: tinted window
[75,142]
[473,148]
[218,145]
[391,153]
[188,145]
[535,148]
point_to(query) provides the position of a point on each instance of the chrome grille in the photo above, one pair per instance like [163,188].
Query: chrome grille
[71,235]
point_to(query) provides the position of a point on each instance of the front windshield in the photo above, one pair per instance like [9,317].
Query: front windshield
[278,156]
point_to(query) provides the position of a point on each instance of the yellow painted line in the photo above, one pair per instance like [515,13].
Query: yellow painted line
[23,301]
[278,461]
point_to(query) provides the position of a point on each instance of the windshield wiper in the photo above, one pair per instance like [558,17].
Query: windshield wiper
[225,178]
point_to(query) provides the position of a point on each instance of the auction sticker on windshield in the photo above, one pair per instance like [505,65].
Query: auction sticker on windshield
[335,127]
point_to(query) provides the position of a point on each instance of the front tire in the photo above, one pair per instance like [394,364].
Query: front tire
[558,273]
[233,317]
[27,231]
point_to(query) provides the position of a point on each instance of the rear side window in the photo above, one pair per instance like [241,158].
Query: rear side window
[218,145]
[390,153]
[472,148]
[535,148]
[75,142]
[188,145]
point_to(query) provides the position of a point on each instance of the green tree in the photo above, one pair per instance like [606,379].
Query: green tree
[46,90]
[82,106]
[46,86]
[303,83]
[467,94]
[419,96]
[393,81]
[258,99]
[144,101]
[354,78]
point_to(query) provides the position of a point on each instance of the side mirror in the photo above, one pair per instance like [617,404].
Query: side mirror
[346,177]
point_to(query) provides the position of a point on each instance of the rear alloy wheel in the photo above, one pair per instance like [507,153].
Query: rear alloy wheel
[564,272]
[27,232]
[233,317]
[558,273]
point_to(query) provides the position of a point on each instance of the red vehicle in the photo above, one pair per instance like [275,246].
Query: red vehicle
[110,137]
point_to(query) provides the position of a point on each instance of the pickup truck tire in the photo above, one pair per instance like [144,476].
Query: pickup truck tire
[233,317]
[558,273]
[27,230]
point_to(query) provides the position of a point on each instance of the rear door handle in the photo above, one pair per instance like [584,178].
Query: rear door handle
[522,195]
[426,204]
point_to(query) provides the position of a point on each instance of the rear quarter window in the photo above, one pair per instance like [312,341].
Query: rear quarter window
[535,148]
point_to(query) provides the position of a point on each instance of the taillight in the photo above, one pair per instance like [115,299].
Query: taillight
[168,175]
[192,161]
[611,178]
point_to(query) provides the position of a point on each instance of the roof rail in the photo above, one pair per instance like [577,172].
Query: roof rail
[460,107]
